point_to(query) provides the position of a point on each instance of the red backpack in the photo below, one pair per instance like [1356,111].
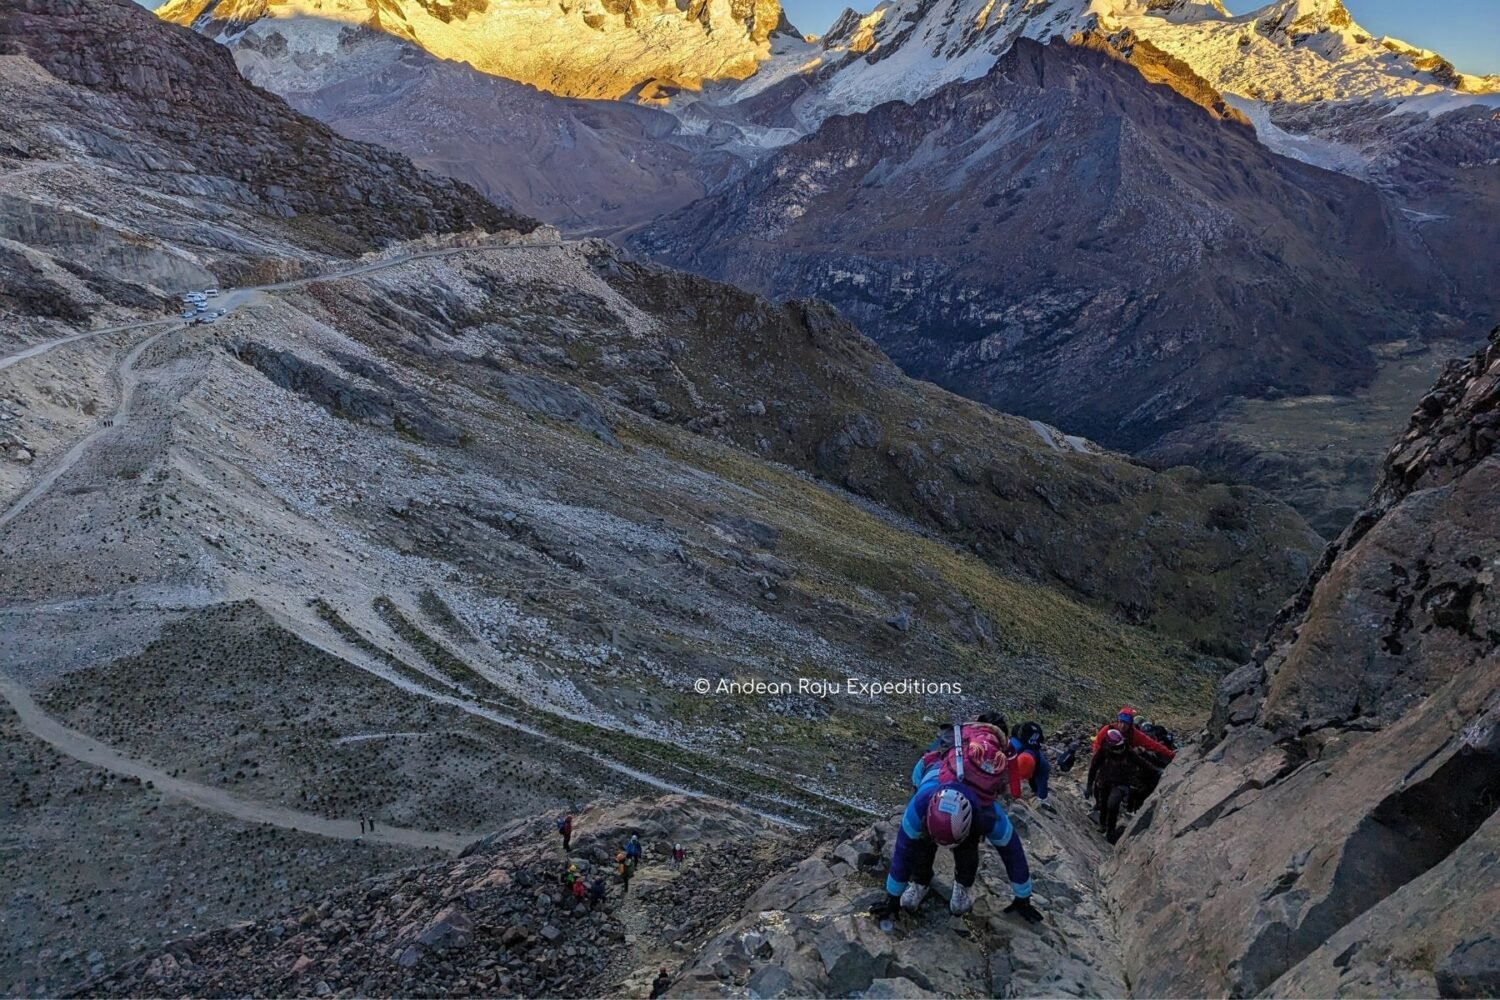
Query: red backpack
[977,760]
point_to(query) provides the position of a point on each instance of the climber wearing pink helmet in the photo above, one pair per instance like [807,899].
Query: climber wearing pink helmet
[957,808]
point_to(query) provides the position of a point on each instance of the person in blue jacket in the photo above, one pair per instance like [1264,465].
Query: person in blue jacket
[953,815]
[1027,742]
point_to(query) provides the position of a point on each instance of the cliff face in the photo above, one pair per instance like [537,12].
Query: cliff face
[1336,834]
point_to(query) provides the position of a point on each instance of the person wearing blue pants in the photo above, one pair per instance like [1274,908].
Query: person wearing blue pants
[952,815]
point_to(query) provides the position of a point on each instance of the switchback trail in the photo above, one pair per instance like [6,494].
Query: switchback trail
[232,298]
[91,751]
[235,296]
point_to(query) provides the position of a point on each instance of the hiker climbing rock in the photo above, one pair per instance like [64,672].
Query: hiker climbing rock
[956,806]
[1159,754]
[678,855]
[633,847]
[1119,776]
[661,983]
[1030,757]
[565,827]
[597,890]
[1125,724]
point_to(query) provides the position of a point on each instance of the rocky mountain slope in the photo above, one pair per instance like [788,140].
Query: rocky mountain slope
[495,922]
[159,167]
[1371,713]
[447,534]
[1331,834]
[1064,239]
[638,48]
[573,163]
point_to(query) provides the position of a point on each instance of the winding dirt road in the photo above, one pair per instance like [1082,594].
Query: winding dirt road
[235,297]
[91,751]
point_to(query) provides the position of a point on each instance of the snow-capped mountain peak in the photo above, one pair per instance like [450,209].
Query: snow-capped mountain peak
[1293,51]
[584,48]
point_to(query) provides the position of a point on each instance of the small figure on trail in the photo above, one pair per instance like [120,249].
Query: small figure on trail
[625,867]
[565,827]
[597,890]
[1030,757]
[678,854]
[571,876]
[372,824]
[956,808]
[361,824]
[661,983]
[580,891]
[633,847]
[1067,757]
[1118,774]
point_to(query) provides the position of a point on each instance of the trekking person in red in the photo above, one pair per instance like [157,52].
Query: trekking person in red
[1133,736]
[565,827]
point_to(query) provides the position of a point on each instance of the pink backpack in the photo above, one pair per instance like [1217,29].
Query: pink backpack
[978,761]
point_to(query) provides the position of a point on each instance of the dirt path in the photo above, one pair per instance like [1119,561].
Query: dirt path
[91,751]
[128,380]
[234,297]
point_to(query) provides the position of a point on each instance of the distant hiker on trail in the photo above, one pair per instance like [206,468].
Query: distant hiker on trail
[678,854]
[625,867]
[956,807]
[661,983]
[361,824]
[580,891]
[597,890]
[571,876]
[372,824]
[633,847]
[1030,757]
[565,827]
[1117,775]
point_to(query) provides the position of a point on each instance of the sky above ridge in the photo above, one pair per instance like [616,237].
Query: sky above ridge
[1467,32]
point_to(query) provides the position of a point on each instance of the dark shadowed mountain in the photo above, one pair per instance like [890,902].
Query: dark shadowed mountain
[1065,239]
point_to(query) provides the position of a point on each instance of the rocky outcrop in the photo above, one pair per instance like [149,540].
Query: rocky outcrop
[498,921]
[1371,715]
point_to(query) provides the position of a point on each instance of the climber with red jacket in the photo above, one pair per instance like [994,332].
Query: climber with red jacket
[955,807]
[1120,777]
[1125,723]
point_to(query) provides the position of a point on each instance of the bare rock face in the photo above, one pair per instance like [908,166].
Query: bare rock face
[1337,833]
